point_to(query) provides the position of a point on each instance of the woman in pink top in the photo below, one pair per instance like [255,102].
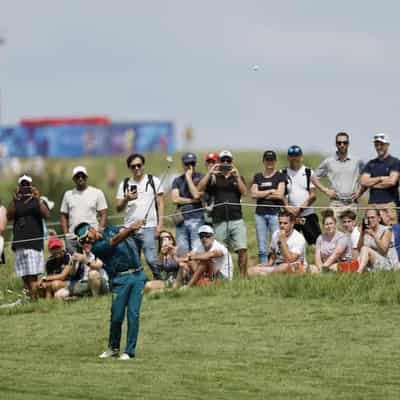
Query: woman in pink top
[333,247]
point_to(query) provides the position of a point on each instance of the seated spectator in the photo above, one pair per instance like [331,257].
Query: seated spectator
[348,219]
[333,247]
[287,249]
[57,271]
[168,264]
[210,259]
[87,276]
[376,248]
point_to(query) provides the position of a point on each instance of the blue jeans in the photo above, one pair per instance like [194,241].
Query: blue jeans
[265,223]
[145,239]
[187,236]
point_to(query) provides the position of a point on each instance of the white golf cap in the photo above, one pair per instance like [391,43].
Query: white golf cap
[381,137]
[206,229]
[79,169]
[24,178]
[225,153]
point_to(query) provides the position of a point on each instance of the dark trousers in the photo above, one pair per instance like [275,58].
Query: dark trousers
[127,293]
[310,228]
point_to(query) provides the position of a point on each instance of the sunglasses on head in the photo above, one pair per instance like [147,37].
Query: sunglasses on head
[205,235]
[135,166]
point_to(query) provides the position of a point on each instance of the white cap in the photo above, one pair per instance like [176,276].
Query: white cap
[78,169]
[206,229]
[24,178]
[381,137]
[225,153]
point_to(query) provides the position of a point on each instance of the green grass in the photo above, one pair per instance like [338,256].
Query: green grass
[285,337]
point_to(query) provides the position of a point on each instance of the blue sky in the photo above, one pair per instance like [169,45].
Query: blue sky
[324,66]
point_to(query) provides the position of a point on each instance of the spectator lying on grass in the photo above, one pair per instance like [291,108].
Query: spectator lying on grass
[333,247]
[168,264]
[210,259]
[287,249]
[377,251]
[57,271]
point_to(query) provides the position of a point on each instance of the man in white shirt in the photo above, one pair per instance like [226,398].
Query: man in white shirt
[288,248]
[348,218]
[301,194]
[84,203]
[141,197]
[209,257]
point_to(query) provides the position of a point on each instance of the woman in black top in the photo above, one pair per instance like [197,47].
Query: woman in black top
[268,189]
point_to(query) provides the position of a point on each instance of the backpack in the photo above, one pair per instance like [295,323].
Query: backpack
[287,179]
[150,181]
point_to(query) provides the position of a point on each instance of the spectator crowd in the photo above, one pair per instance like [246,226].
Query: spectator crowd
[209,222]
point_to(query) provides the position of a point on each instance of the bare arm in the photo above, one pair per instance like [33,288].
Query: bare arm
[208,255]
[369,182]
[160,203]
[102,218]
[288,256]
[383,243]
[259,194]
[64,223]
[179,200]
[388,181]
[317,183]
[3,219]
[311,199]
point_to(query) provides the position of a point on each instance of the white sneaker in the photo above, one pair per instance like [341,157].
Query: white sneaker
[124,357]
[109,353]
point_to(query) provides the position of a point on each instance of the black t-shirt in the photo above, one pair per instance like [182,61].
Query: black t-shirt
[268,183]
[378,167]
[225,190]
[55,265]
[183,188]
[28,224]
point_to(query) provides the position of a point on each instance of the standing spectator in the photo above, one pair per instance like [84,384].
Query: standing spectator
[301,195]
[224,183]
[141,198]
[84,203]
[269,189]
[288,249]
[381,177]
[208,201]
[28,211]
[3,226]
[343,171]
[184,194]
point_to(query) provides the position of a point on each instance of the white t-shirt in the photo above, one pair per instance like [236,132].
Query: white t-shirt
[82,206]
[222,264]
[103,273]
[296,244]
[136,209]
[355,237]
[297,189]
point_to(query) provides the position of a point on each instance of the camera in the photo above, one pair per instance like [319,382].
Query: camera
[133,188]
[365,223]
[225,167]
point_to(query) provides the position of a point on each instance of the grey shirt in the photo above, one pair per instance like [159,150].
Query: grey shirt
[343,175]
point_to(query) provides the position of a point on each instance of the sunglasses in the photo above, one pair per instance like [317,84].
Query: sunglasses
[226,160]
[135,166]
[85,238]
[191,164]
[344,142]
[205,235]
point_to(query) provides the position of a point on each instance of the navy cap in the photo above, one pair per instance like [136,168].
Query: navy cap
[189,158]
[294,151]
[269,155]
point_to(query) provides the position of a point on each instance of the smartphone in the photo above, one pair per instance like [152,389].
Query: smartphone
[133,188]
[365,223]
[225,167]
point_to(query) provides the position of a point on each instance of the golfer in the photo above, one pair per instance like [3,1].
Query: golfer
[115,247]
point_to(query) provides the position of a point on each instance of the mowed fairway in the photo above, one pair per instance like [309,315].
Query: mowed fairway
[251,339]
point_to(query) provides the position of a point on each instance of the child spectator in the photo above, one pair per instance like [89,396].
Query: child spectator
[348,219]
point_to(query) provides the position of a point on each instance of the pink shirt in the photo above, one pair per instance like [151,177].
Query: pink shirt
[327,246]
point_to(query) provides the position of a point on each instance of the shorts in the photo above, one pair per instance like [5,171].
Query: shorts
[310,228]
[28,262]
[81,288]
[232,233]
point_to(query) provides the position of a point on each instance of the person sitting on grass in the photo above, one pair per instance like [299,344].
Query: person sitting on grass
[57,270]
[333,248]
[168,264]
[348,219]
[287,249]
[210,259]
[377,251]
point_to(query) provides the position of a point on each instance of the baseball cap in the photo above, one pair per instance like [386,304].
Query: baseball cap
[225,154]
[189,158]
[54,242]
[205,229]
[211,157]
[381,137]
[82,229]
[294,151]
[79,169]
[269,155]
[24,177]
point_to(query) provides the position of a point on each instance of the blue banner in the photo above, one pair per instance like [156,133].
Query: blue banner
[88,140]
